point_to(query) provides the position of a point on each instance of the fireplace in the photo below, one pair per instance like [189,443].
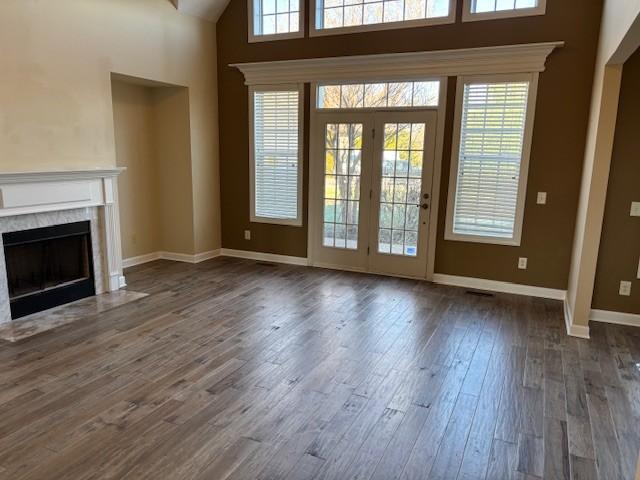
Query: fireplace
[49,266]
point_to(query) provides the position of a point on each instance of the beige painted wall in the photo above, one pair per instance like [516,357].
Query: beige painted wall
[55,91]
[152,138]
[619,27]
[135,149]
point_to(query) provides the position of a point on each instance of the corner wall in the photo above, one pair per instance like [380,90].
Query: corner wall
[620,30]
[620,241]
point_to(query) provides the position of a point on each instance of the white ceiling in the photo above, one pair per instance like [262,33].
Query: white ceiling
[207,9]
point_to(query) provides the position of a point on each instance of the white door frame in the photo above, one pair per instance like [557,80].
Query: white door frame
[316,182]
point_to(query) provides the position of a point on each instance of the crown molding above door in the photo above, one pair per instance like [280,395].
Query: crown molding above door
[523,58]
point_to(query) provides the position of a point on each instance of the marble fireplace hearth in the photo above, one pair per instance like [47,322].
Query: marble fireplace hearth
[43,199]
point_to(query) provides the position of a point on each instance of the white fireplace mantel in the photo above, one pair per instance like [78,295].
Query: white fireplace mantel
[26,193]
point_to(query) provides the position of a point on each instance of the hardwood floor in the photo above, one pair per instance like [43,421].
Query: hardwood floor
[233,369]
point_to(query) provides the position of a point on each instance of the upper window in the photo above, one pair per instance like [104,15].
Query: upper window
[488,9]
[276,164]
[343,16]
[494,118]
[275,19]
[379,95]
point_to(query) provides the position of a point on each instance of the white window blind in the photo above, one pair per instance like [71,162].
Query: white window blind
[489,162]
[276,143]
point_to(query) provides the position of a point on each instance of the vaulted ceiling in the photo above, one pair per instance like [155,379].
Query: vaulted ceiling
[207,9]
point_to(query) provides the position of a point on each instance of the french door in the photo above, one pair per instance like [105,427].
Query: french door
[373,174]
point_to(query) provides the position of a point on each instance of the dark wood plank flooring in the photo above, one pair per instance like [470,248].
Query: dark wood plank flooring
[233,369]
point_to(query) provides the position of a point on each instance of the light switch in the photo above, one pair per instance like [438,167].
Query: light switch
[542,198]
[635,209]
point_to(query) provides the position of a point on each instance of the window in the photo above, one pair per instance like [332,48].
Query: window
[490,9]
[276,164]
[379,95]
[361,15]
[494,119]
[275,19]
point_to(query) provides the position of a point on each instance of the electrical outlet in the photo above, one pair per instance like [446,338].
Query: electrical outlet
[522,263]
[635,209]
[542,198]
[247,234]
[625,288]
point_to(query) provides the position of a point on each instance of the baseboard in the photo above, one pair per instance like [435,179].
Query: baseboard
[263,257]
[496,286]
[580,331]
[176,257]
[140,259]
[618,318]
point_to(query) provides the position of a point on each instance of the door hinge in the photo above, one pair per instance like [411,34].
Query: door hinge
[373,133]
[368,250]
[370,194]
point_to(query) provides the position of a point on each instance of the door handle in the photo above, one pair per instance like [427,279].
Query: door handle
[424,206]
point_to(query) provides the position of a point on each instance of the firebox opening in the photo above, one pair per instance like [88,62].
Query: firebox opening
[49,266]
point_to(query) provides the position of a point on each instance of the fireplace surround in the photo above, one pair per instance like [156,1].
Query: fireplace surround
[41,200]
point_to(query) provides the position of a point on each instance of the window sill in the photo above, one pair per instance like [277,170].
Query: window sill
[277,221]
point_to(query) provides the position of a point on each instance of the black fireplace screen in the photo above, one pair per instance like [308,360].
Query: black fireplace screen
[48,266]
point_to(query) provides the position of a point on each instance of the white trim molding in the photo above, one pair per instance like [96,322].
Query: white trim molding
[523,58]
[264,257]
[497,286]
[23,193]
[221,252]
[617,318]
[580,331]
[173,256]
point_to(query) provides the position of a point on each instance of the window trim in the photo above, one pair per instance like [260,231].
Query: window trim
[469,16]
[298,221]
[253,38]
[421,22]
[532,78]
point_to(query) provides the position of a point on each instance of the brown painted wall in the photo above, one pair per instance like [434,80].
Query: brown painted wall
[620,241]
[558,141]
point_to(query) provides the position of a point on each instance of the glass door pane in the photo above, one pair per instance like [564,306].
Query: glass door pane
[342,175]
[402,177]
[400,188]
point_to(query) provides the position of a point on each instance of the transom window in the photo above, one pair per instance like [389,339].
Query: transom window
[275,19]
[488,9]
[379,95]
[490,160]
[375,14]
